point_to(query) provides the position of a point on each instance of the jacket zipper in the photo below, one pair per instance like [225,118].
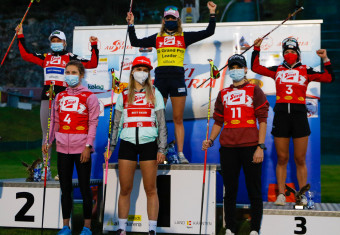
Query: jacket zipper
[289,108]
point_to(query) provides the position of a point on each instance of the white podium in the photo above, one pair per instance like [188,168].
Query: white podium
[283,220]
[21,203]
[179,191]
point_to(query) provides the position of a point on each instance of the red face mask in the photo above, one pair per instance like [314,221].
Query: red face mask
[290,58]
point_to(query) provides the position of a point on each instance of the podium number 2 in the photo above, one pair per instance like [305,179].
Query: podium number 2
[301,225]
[21,215]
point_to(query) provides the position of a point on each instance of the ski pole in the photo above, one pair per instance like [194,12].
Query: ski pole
[289,16]
[46,157]
[127,30]
[22,20]
[211,62]
[108,141]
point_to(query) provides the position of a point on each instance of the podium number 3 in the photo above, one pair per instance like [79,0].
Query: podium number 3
[301,225]
[21,215]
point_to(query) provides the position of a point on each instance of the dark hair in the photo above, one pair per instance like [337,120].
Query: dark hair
[79,65]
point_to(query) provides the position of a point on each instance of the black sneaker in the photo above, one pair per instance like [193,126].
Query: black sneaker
[121,232]
[152,232]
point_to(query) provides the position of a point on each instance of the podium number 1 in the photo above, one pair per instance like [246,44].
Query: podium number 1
[301,225]
[21,215]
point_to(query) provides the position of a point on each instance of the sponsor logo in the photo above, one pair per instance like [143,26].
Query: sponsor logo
[267,43]
[66,127]
[139,124]
[140,99]
[288,97]
[55,60]
[117,45]
[134,218]
[70,103]
[278,97]
[55,71]
[95,86]
[182,89]
[235,97]
[235,122]
[256,82]
[301,99]
[301,42]
[169,40]
[291,76]
[80,128]
[250,121]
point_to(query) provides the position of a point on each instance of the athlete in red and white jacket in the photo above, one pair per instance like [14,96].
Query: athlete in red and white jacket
[237,108]
[290,119]
[54,64]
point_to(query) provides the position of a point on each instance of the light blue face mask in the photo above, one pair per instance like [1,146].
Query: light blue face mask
[57,46]
[72,80]
[237,74]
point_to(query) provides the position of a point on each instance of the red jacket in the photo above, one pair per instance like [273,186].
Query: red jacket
[243,136]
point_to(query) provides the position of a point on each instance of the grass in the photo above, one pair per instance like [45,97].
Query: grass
[20,125]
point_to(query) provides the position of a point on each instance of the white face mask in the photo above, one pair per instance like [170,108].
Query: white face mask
[237,74]
[140,76]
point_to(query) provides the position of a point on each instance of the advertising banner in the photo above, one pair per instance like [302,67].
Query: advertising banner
[229,38]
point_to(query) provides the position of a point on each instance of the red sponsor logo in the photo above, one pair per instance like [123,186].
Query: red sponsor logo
[127,65]
[267,43]
[69,103]
[301,42]
[139,124]
[235,97]
[139,98]
[139,113]
[169,41]
[117,45]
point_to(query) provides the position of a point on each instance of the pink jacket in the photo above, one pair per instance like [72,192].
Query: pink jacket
[75,143]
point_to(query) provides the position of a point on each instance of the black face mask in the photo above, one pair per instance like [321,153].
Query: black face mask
[171,25]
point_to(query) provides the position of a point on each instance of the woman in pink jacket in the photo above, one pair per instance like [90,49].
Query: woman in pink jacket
[74,119]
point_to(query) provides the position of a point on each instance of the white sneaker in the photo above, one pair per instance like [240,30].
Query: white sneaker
[253,233]
[56,178]
[228,232]
[280,200]
[182,159]
[304,200]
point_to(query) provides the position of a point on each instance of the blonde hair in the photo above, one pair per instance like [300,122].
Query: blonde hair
[178,31]
[149,91]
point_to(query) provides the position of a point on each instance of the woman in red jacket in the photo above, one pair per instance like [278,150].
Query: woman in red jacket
[290,119]
[236,110]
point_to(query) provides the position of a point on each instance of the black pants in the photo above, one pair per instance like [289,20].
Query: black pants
[65,170]
[232,159]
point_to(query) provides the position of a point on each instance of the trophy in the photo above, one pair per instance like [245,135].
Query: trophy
[310,204]
[298,195]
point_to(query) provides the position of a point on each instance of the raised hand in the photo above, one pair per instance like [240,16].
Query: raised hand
[19,29]
[130,19]
[93,39]
[212,7]
[258,42]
